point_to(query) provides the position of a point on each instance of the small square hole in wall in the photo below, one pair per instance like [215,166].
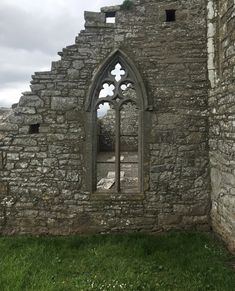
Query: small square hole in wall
[110,17]
[170,15]
[34,128]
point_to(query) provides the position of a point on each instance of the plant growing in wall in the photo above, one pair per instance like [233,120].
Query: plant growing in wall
[126,5]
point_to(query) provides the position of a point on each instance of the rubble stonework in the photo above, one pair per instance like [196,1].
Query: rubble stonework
[222,122]
[45,176]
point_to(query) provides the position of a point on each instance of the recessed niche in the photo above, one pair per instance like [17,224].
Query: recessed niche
[34,128]
[170,15]
[110,17]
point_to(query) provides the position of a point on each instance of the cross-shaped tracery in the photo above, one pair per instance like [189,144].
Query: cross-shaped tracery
[118,72]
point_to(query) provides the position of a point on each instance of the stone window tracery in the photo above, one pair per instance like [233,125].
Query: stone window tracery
[117,129]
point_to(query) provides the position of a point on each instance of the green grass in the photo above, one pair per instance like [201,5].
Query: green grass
[170,261]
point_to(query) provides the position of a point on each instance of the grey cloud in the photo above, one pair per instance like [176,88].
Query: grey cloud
[44,32]
[24,30]
[5,102]
[10,76]
[30,37]
[19,65]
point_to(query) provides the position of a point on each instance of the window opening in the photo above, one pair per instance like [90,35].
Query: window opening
[34,128]
[128,89]
[117,115]
[118,72]
[107,90]
[129,143]
[170,15]
[110,17]
[105,147]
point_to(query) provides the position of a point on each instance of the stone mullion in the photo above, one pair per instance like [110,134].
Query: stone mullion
[117,151]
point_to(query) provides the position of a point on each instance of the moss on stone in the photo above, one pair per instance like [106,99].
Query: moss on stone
[126,5]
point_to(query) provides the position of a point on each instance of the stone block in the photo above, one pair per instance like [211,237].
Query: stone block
[94,19]
[8,127]
[25,110]
[3,189]
[13,156]
[2,160]
[63,103]
[193,210]
[169,219]
[32,119]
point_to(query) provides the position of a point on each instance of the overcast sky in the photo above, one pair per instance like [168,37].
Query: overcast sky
[31,34]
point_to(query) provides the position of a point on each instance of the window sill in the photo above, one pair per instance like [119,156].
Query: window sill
[116,196]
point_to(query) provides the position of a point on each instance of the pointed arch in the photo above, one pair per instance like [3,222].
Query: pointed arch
[116,151]
[117,56]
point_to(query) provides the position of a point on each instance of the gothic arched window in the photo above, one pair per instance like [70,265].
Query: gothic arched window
[116,107]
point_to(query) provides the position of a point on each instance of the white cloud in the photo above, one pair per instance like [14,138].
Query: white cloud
[19,64]
[31,33]
[11,95]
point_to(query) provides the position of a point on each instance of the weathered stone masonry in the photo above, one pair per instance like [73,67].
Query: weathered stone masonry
[222,121]
[45,176]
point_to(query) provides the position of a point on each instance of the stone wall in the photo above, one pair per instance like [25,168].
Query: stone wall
[222,121]
[45,176]
[3,111]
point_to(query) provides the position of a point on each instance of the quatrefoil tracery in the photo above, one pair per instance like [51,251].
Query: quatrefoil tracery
[117,86]
[118,72]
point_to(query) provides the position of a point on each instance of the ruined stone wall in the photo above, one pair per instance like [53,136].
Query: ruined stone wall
[44,185]
[222,122]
